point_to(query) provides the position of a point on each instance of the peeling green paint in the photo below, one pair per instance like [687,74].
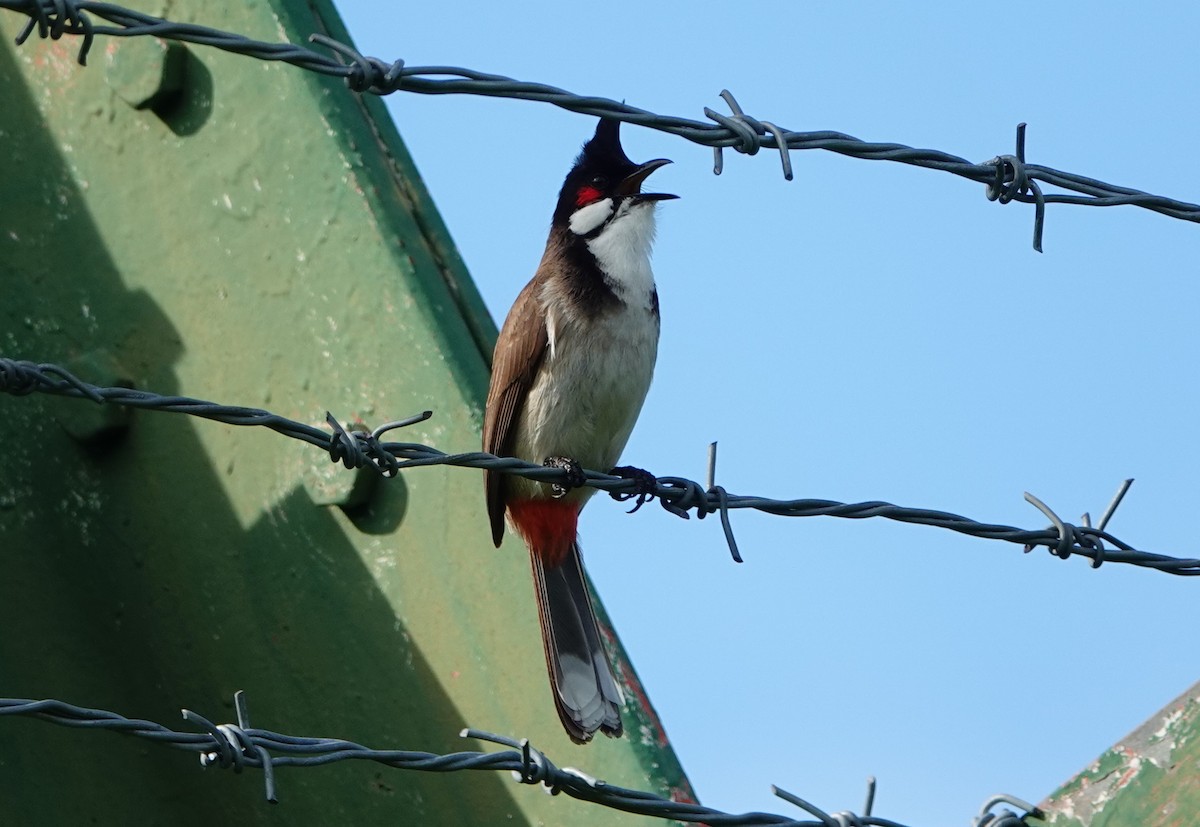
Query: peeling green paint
[1149,779]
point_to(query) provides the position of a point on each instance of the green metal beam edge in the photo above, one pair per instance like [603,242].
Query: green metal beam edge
[1148,779]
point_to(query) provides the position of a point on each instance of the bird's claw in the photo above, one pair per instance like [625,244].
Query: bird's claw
[575,476]
[645,485]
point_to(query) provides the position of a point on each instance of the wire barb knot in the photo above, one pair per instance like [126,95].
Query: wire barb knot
[1013,183]
[1084,540]
[53,19]
[367,74]
[358,448]
[747,134]
[233,746]
[535,767]
[1005,818]
[680,496]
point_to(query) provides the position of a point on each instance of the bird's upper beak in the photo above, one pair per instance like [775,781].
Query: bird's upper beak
[632,183]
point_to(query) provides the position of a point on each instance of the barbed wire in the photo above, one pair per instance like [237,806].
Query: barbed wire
[1007,177]
[240,746]
[358,447]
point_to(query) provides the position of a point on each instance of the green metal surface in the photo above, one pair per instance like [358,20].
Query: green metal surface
[1150,779]
[256,235]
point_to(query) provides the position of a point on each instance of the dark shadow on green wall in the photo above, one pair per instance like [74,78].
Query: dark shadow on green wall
[190,109]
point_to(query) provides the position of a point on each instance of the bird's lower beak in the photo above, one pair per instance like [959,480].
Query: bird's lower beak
[632,184]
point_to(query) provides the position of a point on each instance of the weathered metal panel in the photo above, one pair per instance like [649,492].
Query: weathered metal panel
[1149,779]
[200,223]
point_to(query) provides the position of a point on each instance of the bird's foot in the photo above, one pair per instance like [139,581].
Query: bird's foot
[575,476]
[645,484]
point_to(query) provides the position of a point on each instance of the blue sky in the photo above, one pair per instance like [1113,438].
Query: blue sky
[871,331]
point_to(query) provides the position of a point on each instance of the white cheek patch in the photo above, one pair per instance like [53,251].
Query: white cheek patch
[586,219]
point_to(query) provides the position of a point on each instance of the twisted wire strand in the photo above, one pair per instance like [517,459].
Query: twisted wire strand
[239,746]
[1007,177]
[678,495]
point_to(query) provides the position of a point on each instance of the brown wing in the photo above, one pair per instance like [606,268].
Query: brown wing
[519,351]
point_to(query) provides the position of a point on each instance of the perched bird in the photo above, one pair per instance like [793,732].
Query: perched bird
[570,372]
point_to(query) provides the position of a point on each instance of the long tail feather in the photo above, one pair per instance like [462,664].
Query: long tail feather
[585,692]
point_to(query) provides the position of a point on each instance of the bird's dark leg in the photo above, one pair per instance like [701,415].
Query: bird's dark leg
[645,484]
[575,475]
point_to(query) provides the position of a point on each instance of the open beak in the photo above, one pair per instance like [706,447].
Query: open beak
[632,183]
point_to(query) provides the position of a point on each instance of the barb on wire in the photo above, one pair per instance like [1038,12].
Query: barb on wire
[233,743]
[677,495]
[1012,181]
[239,746]
[1005,818]
[722,504]
[1006,177]
[1069,535]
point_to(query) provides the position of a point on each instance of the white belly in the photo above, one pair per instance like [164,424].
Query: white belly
[588,392]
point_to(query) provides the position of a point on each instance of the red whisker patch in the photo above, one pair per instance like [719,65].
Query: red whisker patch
[587,195]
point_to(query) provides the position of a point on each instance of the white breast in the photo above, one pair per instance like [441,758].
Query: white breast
[597,370]
[622,250]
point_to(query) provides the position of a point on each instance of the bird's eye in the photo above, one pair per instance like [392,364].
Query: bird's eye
[588,194]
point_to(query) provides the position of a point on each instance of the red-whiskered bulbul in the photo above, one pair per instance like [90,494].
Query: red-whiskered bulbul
[570,372]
